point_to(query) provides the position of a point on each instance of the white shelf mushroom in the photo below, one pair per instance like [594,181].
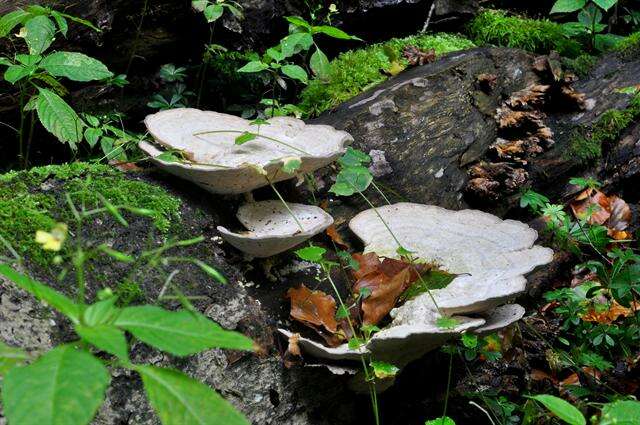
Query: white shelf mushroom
[218,164]
[272,228]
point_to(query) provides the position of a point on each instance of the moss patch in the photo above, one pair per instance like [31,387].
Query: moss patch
[586,144]
[355,71]
[539,36]
[581,65]
[630,45]
[28,202]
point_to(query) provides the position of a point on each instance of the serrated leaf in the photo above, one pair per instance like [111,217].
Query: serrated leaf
[10,357]
[562,409]
[320,65]
[11,20]
[64,386]
[384,370]
[39,34]
[75,66]
[352,180]
[353,157]
[567,6]
[178,332]
[296,72]
[58,117]
[180,399]
[42,292]
[254,66]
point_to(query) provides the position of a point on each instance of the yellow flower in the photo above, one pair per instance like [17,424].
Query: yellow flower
[52,241]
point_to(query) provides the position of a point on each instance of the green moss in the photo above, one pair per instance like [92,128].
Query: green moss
[630,44]
[586,144]
[34,200]
[129,293]
[355,71]
[582,65]
[539,36]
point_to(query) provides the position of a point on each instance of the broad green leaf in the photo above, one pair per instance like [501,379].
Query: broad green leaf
[15,73]
[42,292]
[296,72]
[81,21]
[213,12]
[430,280]
[28,60]
[353,157]
[291,164]
[352,180]
[107,338]
[572,29]
[39,34]
[606,42]
[245,137]
[178,332]
[254,66]
[275,54]
[320,65]
[299,22]
[469,340]
[101,312]
[605,4]
[311,253]
[384,370]
[65,386]
[199,5]
[75,66]
[237,13]
[441,421]
[92,135]
[5,61]
[11,20]
[566,6]
[10,357]
[447,322]
[61,22]
[622,412]
[179,399]
[562,409]
[295,43]
[58,117]
[334,32]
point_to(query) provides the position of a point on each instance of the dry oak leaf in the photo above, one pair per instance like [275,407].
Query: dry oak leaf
[386,280]
[592,200]
[611,314]
[313,308]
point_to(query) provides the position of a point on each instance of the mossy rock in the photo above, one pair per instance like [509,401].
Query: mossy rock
[355,71]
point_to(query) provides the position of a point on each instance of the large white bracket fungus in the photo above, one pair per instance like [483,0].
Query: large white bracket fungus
[218,164]
[272,228]
[489,255]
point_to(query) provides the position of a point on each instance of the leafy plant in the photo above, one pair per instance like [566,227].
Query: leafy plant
[37,74]
[175,93]
[590,21]
[73,378]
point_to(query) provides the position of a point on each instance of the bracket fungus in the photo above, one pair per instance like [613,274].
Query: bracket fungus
[490,257]
[222,163]
[272,228]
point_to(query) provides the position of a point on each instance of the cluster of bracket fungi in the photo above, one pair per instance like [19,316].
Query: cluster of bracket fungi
[490,256]
[522,131]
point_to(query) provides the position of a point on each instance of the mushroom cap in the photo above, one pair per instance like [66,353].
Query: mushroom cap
[500,317]
[221,166]
[490,255]
[272,229]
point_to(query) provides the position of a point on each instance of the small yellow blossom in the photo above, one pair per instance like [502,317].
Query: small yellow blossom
[52,241]
[333,8]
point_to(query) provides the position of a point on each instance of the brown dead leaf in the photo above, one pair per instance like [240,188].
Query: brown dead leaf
[541,375]
[313,308]
[594,200]
[417,56]
[612,314]
[332,232]
[620,214]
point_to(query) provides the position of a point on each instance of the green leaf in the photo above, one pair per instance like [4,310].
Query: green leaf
[180,399]
[245,137]
[113,210]
[39,34]
[107,338]
[469,340]
[320,65]
[605,4]
[296,72]
[213,12]
[562,409]
[447,322]
[342,312]
[64,386]
[295,43]
[622,412]
[299,22]
[10,357]
[28,60]
[92,135]
[58,117]
[81,21]
[101,313]
[384,370]
[116,255]
[352,180]
[4,61]
[42,292]
[210,271]
[199,5]
[606,42]
[311,253]
[11,20]
[291,164]
[354,157]
[61,22]
[430,280]
[441,421]
[334,32]
[567,6]
[178,332]
[254,66]
[75,66]
[15,73]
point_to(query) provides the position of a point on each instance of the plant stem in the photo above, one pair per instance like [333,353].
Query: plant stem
[29,139]
[446,397]
[285,205]
[21,132]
